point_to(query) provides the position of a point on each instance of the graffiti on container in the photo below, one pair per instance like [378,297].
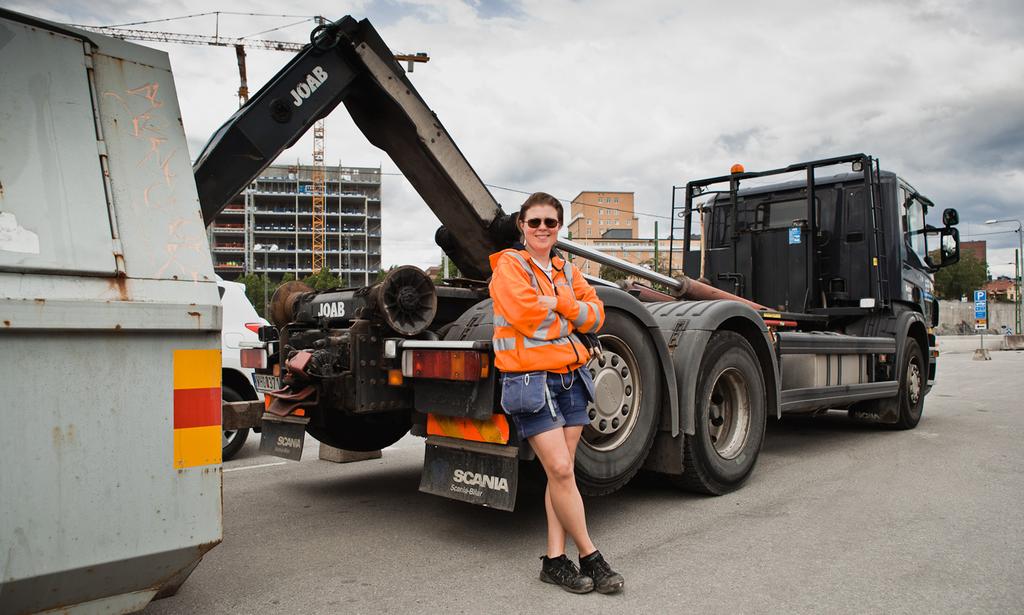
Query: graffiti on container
[180,240]
[141,104]
[149,125]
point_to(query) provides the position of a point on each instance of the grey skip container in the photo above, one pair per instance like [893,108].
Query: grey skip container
[105,274]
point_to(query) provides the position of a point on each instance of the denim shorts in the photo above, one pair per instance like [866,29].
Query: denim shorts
[533,412]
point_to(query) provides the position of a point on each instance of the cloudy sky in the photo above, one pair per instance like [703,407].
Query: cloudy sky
[642,95]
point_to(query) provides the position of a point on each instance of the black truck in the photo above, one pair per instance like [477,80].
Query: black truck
[805,296]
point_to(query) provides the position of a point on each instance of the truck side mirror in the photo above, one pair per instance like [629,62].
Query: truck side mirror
[950,217]
[946,250]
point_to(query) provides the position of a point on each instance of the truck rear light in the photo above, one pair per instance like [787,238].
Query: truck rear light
[395,377]
[465,365]
[255,358]
[253,326]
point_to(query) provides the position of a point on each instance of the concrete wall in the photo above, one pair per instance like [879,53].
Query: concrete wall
[952,312]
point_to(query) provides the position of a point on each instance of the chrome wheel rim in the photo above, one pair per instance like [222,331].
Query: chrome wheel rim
[227,436]
[618,392]
[729,413]
[914,382]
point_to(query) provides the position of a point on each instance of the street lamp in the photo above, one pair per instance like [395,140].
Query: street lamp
[1017,270]
[266,249]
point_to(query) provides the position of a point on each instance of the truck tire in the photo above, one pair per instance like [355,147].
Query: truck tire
[231,440]
[624,417]
[912,381]
[730,414]
[362,432]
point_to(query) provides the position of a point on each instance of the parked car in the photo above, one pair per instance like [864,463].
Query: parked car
[240,324]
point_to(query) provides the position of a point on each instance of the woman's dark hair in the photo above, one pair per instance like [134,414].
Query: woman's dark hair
[540,198]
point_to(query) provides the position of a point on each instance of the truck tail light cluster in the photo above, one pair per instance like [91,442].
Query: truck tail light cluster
[465,365]
[255,358]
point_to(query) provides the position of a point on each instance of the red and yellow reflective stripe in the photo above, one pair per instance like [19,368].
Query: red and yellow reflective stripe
[493,430]
[197,411]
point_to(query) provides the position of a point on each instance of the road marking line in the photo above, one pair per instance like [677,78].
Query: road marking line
[253,467]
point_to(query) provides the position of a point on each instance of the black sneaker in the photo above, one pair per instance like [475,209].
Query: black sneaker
[563,571]
[606,580]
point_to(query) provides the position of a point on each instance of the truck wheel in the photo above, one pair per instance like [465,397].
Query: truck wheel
[730,417]
[913,378]
[624,416]
[231,440]
[362,432]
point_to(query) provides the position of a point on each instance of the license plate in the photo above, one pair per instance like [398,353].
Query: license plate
[483,474]
[266,382]
[282,439]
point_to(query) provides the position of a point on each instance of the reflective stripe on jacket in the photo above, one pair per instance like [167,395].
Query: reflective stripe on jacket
[527,335]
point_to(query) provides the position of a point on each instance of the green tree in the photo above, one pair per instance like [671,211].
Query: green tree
[254,285]
[381,273]
[961,279]
[453,272]
[612,274]
[323,280]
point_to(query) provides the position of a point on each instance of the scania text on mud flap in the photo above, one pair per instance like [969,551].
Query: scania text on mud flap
[474,472]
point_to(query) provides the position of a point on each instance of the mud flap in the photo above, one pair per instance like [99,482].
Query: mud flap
[882,411]
[474,472]
[283,436]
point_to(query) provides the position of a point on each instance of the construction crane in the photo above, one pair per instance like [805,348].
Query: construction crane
[319,179]
[240,44]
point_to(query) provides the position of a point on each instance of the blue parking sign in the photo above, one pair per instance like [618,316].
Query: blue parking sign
[980,310]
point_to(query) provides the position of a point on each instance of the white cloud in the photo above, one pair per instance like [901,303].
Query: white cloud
[637,96]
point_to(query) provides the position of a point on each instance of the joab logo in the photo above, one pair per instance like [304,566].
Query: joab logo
[306,88]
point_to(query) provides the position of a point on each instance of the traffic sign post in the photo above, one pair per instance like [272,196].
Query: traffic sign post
[981,323]
[980,311]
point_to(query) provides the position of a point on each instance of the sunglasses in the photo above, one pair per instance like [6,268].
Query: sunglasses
[548,222]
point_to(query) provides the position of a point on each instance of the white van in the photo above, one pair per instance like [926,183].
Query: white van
[241,322]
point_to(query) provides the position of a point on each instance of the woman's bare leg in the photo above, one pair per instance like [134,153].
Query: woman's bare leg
[556,533]
[553,451]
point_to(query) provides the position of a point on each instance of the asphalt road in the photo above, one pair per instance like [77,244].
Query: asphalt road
[837,517]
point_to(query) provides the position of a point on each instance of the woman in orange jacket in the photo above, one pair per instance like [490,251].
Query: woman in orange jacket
[540,302]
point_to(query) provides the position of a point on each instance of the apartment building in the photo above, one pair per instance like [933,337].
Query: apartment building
[592,213]
[268,228]
[606,221]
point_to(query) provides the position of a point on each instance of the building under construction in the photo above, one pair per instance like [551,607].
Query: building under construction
[270,227]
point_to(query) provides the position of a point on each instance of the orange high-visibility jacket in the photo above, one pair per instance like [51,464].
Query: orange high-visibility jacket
[528,336]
